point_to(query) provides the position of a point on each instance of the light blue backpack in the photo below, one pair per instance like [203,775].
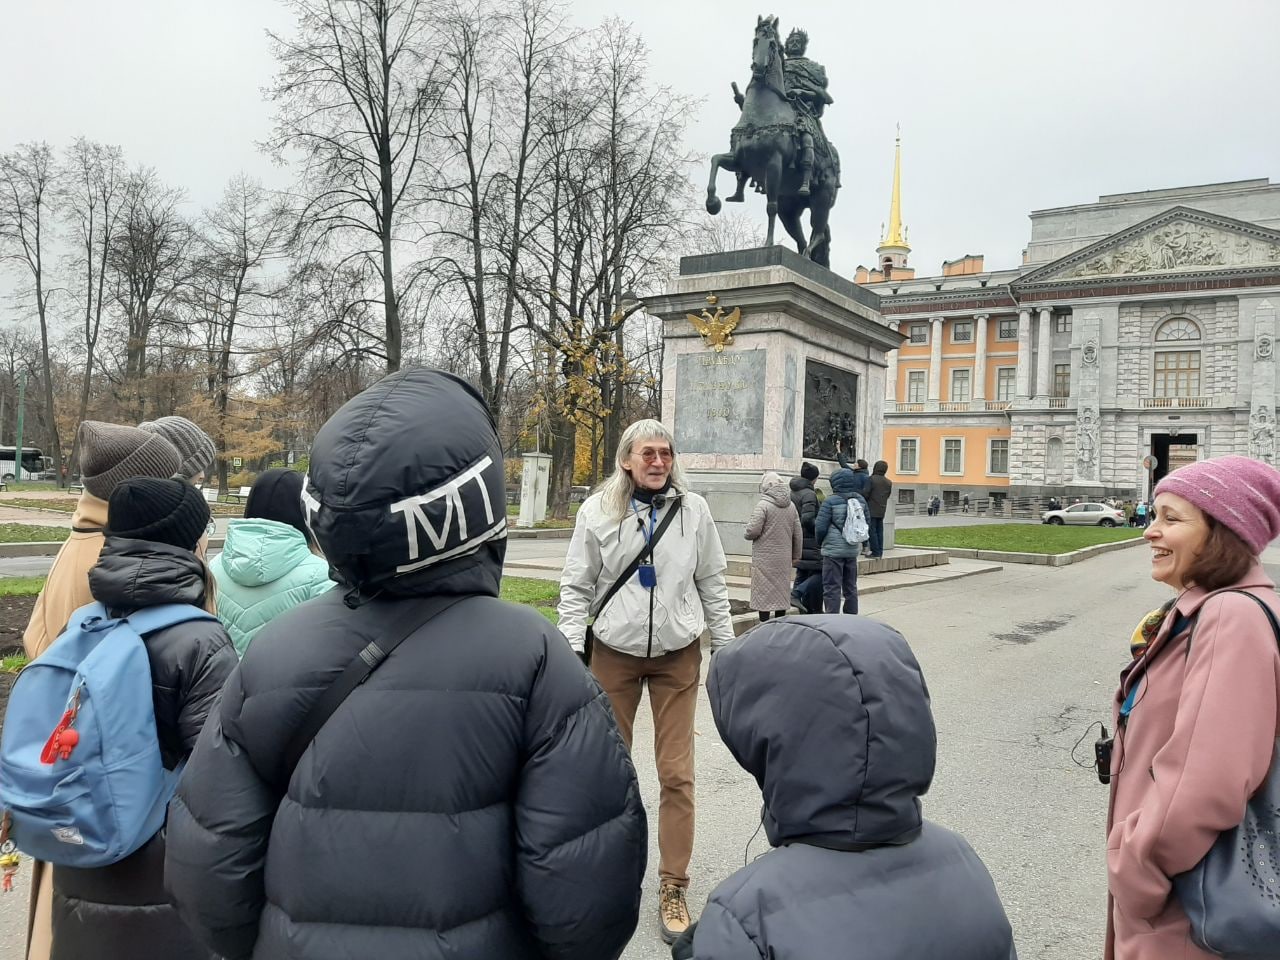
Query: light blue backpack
[80,768]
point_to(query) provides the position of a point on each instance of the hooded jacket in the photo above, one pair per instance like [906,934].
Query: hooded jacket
[830,715]
[805,500]
[66,589]
[691,594]
[878,490]
[264,569]
[828,528]
[473,797]
[1196,746]
[121,912]
[774,532]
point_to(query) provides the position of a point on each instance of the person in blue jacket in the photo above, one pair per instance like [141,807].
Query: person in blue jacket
[270,563]
[839,556]
[831,717]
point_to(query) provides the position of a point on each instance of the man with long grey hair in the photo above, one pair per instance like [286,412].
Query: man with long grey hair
[644,577]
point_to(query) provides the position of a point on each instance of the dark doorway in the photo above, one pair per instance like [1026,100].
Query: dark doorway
[1171,450]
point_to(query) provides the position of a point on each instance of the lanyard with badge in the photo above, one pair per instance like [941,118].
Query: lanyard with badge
[645,571]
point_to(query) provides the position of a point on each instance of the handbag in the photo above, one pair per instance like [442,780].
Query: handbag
[589,640]
[1232,896]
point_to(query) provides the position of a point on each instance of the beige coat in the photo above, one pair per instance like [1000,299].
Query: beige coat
[67,588]
[776,544]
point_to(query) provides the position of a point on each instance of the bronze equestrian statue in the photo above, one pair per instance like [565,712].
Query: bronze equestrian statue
[779,144]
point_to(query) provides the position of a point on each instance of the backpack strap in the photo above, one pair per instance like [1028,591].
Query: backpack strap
[151,619]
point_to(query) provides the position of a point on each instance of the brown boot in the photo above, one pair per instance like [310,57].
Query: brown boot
[673,912]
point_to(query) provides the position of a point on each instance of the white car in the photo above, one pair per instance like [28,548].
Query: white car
[1087,514]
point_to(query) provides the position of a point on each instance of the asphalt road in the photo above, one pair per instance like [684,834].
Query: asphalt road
[1019,664]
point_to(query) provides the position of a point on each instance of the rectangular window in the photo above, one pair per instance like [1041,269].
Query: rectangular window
[919,333]
[906,497]
[1177,374]
[916,386]
[959,386]
[1062,379]
[1007,329]
[1006,378]
[953,455]
[962,331]
[998,462]
[1062,323]
[908,455]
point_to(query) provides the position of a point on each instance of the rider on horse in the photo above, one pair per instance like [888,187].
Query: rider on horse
[807,86]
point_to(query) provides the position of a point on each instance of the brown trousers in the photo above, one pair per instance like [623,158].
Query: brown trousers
[673,697]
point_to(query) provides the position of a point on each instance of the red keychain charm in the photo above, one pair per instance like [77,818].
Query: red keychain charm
[65,737]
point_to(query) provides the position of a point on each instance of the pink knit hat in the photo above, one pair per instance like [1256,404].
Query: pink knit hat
[1240,493]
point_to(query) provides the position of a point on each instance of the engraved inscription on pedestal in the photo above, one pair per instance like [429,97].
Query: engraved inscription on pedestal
[830,410]
[720,402]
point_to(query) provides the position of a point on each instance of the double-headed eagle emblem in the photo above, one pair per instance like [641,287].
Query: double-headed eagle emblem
[716,328]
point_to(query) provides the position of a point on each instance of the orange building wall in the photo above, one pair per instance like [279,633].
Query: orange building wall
[930,458]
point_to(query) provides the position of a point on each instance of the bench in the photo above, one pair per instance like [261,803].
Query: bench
[242,496]
[75,486]
[210,495]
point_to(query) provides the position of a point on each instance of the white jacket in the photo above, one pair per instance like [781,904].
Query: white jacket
[691,593]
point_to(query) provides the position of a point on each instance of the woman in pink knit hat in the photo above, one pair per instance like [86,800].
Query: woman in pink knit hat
[1199,707]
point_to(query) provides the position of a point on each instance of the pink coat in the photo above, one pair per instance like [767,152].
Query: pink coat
[1198,743]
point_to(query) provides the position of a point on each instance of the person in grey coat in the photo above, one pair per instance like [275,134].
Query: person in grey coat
[776,544]
[831,717]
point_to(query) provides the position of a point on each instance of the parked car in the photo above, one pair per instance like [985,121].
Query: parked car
[1087,514]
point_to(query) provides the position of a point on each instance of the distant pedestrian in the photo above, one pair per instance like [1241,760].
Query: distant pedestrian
[776,544]
[806,595]
[964,504]
[1140,514]
[831,716]
[839,553]
[878,501]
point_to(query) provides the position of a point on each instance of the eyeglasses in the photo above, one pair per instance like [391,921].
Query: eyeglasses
[649,456]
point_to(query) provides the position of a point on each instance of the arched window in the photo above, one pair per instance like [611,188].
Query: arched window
[1176,371]
[1054,461]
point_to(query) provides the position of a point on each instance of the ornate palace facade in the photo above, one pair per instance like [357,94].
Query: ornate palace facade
[1140,330]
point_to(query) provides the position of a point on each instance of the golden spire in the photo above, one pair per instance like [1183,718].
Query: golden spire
[896,235]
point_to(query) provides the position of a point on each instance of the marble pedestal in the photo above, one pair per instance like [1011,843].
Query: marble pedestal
[737,412]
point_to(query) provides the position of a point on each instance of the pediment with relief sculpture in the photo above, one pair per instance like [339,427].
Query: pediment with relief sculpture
[1178,241]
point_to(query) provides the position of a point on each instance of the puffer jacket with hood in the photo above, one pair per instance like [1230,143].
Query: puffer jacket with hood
[121,912]
[842,770]
[805,500]
[473,797]
[828,528]
[774,532]
[264,569]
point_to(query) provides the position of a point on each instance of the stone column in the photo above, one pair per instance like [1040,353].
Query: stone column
[1024,354]
[1044,354]
[980,358]
[935,360]
[891,370]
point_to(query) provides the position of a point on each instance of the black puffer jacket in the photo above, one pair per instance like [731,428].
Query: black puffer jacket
[473,798]
[806,503]
[842,776]
[121,912]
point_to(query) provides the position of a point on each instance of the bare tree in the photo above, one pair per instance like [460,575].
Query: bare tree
[27,200]
[91,193]
[149,263]
[355,93]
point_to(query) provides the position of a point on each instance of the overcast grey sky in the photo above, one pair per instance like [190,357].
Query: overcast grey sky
[1005,106]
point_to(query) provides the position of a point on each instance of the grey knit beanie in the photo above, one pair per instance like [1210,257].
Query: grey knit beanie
[194,445]
[112,452]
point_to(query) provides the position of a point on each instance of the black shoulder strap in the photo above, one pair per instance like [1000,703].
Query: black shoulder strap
[356,673]
[645,551]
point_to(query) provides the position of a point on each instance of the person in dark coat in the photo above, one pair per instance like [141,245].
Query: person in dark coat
[853,859]
[806,595]
[152,555]
[472,798]
[877,495]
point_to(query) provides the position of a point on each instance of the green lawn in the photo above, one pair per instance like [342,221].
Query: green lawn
[20,586]
[542,595]
[29,533]
[1014,537]
[61,505]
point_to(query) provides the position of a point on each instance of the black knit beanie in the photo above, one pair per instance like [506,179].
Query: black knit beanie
[162,511]
[808,471]
[277,495]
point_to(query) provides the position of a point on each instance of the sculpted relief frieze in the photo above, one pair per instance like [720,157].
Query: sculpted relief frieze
[1179,245]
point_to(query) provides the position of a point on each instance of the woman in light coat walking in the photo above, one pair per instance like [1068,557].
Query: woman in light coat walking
[776,545]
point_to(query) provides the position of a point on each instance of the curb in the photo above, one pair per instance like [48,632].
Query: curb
[1041,559]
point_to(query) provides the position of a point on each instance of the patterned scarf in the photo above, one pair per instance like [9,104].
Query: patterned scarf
[1147,629]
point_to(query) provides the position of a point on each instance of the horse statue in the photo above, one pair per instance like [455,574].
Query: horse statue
[766,146]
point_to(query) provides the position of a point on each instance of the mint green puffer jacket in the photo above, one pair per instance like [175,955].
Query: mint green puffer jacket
[264,569]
